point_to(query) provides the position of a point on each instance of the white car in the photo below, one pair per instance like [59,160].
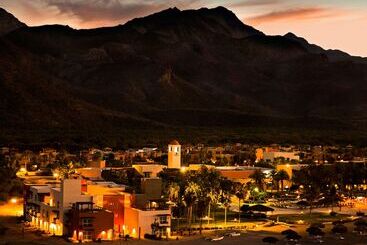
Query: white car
[218,238]
[234,234]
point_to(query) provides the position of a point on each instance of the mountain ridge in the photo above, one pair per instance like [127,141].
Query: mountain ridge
[8,22]
[170,72]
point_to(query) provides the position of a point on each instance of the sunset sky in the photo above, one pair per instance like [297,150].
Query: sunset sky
[334,24]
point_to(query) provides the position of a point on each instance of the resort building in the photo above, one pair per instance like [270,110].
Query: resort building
[91,210]
[45,206]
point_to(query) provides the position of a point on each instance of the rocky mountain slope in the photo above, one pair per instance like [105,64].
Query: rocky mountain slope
[170,74]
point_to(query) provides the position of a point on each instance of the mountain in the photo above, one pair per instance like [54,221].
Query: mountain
[199,75]
[333,55]
[8,22]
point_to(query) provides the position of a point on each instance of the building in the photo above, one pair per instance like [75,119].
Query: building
[241,173]
[174,155]
[87,222]
[134,213]
[270,154]
[149,170]
[45,206]
[92,210]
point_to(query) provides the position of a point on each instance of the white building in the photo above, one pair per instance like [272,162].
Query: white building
[174,155]
[270,156]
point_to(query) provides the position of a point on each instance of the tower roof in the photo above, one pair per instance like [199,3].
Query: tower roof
[174,142]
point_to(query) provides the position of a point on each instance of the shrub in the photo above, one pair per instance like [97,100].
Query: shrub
[151,237]
[333,213]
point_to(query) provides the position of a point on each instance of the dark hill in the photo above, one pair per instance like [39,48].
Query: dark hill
[8,22]
[175,73]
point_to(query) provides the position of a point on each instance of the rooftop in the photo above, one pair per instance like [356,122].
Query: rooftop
[174,142]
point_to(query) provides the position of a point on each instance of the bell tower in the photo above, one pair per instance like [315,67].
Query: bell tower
[174,154]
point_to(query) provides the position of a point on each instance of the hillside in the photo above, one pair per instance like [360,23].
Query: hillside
[8,22]
[176,73]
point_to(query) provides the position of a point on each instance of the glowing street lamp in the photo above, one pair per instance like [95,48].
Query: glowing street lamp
[14,200]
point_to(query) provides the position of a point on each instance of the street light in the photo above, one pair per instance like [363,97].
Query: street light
[14,200]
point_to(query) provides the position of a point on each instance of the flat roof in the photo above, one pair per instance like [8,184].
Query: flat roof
[239,168]
[42,189]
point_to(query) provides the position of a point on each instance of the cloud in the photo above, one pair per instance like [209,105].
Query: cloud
[254,3]
[110,12]
[293,14]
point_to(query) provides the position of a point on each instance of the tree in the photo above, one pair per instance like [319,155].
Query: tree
[258,177]
[213,196]
[190,197]
[315,231]
[281,176]
[209,181]
[339,229]
[270,240]
[274,181]
[226,190]
[311,193]
[241,193]
[314,180]
[10,185]
[155,227]
[65,171]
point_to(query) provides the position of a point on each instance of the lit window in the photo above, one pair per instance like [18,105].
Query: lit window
[163,220]
[87,222]
[88,235]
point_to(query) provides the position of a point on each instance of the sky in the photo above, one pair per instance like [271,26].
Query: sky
[331,24]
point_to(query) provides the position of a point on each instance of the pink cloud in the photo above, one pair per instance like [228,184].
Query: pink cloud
[292,14]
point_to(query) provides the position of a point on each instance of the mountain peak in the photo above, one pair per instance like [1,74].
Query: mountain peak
[291,35]
[194,23]
[8,22]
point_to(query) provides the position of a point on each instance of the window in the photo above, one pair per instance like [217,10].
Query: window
[87,222]
[147,174]
[87,235]
[163,220]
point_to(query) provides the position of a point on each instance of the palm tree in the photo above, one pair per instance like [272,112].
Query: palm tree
[274,181]
[225,201]
[190,197]
[226,190]
[258,177]
[311,193]
[209,182]
[240,192]
[281,175]
[213,199]
[65,171]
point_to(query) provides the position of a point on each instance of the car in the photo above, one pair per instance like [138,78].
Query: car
[217,238]
[233,234]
